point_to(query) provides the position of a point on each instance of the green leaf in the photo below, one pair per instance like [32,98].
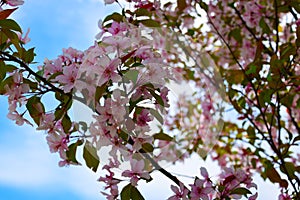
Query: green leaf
[241,191]
[136,195]
[83,126]
[137,65]
[181,5]
[7,82]
[3,71]
[150,23]
[28,55]
[296,5]
[10,24]
[156,96]
[191,32]
[265,96]
[203,5]
[287,100]
[241,102]
[157,116]
[32,85]
[132,75]
[234,76]
[162,136]
[132,104]
[283,8]
[265,28]
[251,134]
[142,12]
[71,153]
[126,192]
[189,74]
[13,38]
[90,156]
[252,69]
[286,50]
[290,167]
[273,175]
[130,192]
[123,135]
[3,40]
[66,123]
[100,91]
[147,147]
[35,108]
[117,17]
[236,34]
[59,112]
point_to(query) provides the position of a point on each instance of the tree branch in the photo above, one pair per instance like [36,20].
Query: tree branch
[27,68]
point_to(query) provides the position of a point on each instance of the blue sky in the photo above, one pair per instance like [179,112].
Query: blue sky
[27,169]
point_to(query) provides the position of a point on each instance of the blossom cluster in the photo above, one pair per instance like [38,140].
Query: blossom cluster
[230,185]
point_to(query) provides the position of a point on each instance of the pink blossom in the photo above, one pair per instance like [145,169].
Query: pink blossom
[109,1]
[117,27]
[234,179]
[180,193]
[109,72]
[204,173]
[253,197]
[140,140]
[156,73]
[110,181]
[143,117]
[200,190]
[47,122]
[253,14]
[72,55]
[207,107]
[91,56]
[141,92]
[63,163]
[51,67]
[168,151]
[117,42]
[164,96]
[284,197]
[24,39]
[68,77]
[16,92]
[17,89]
[57,142]
[119,106]
[136,172]
[87,84]
[20,120]
[202,187]
[144,53]
[105,112]
[106,133]
[15,2]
